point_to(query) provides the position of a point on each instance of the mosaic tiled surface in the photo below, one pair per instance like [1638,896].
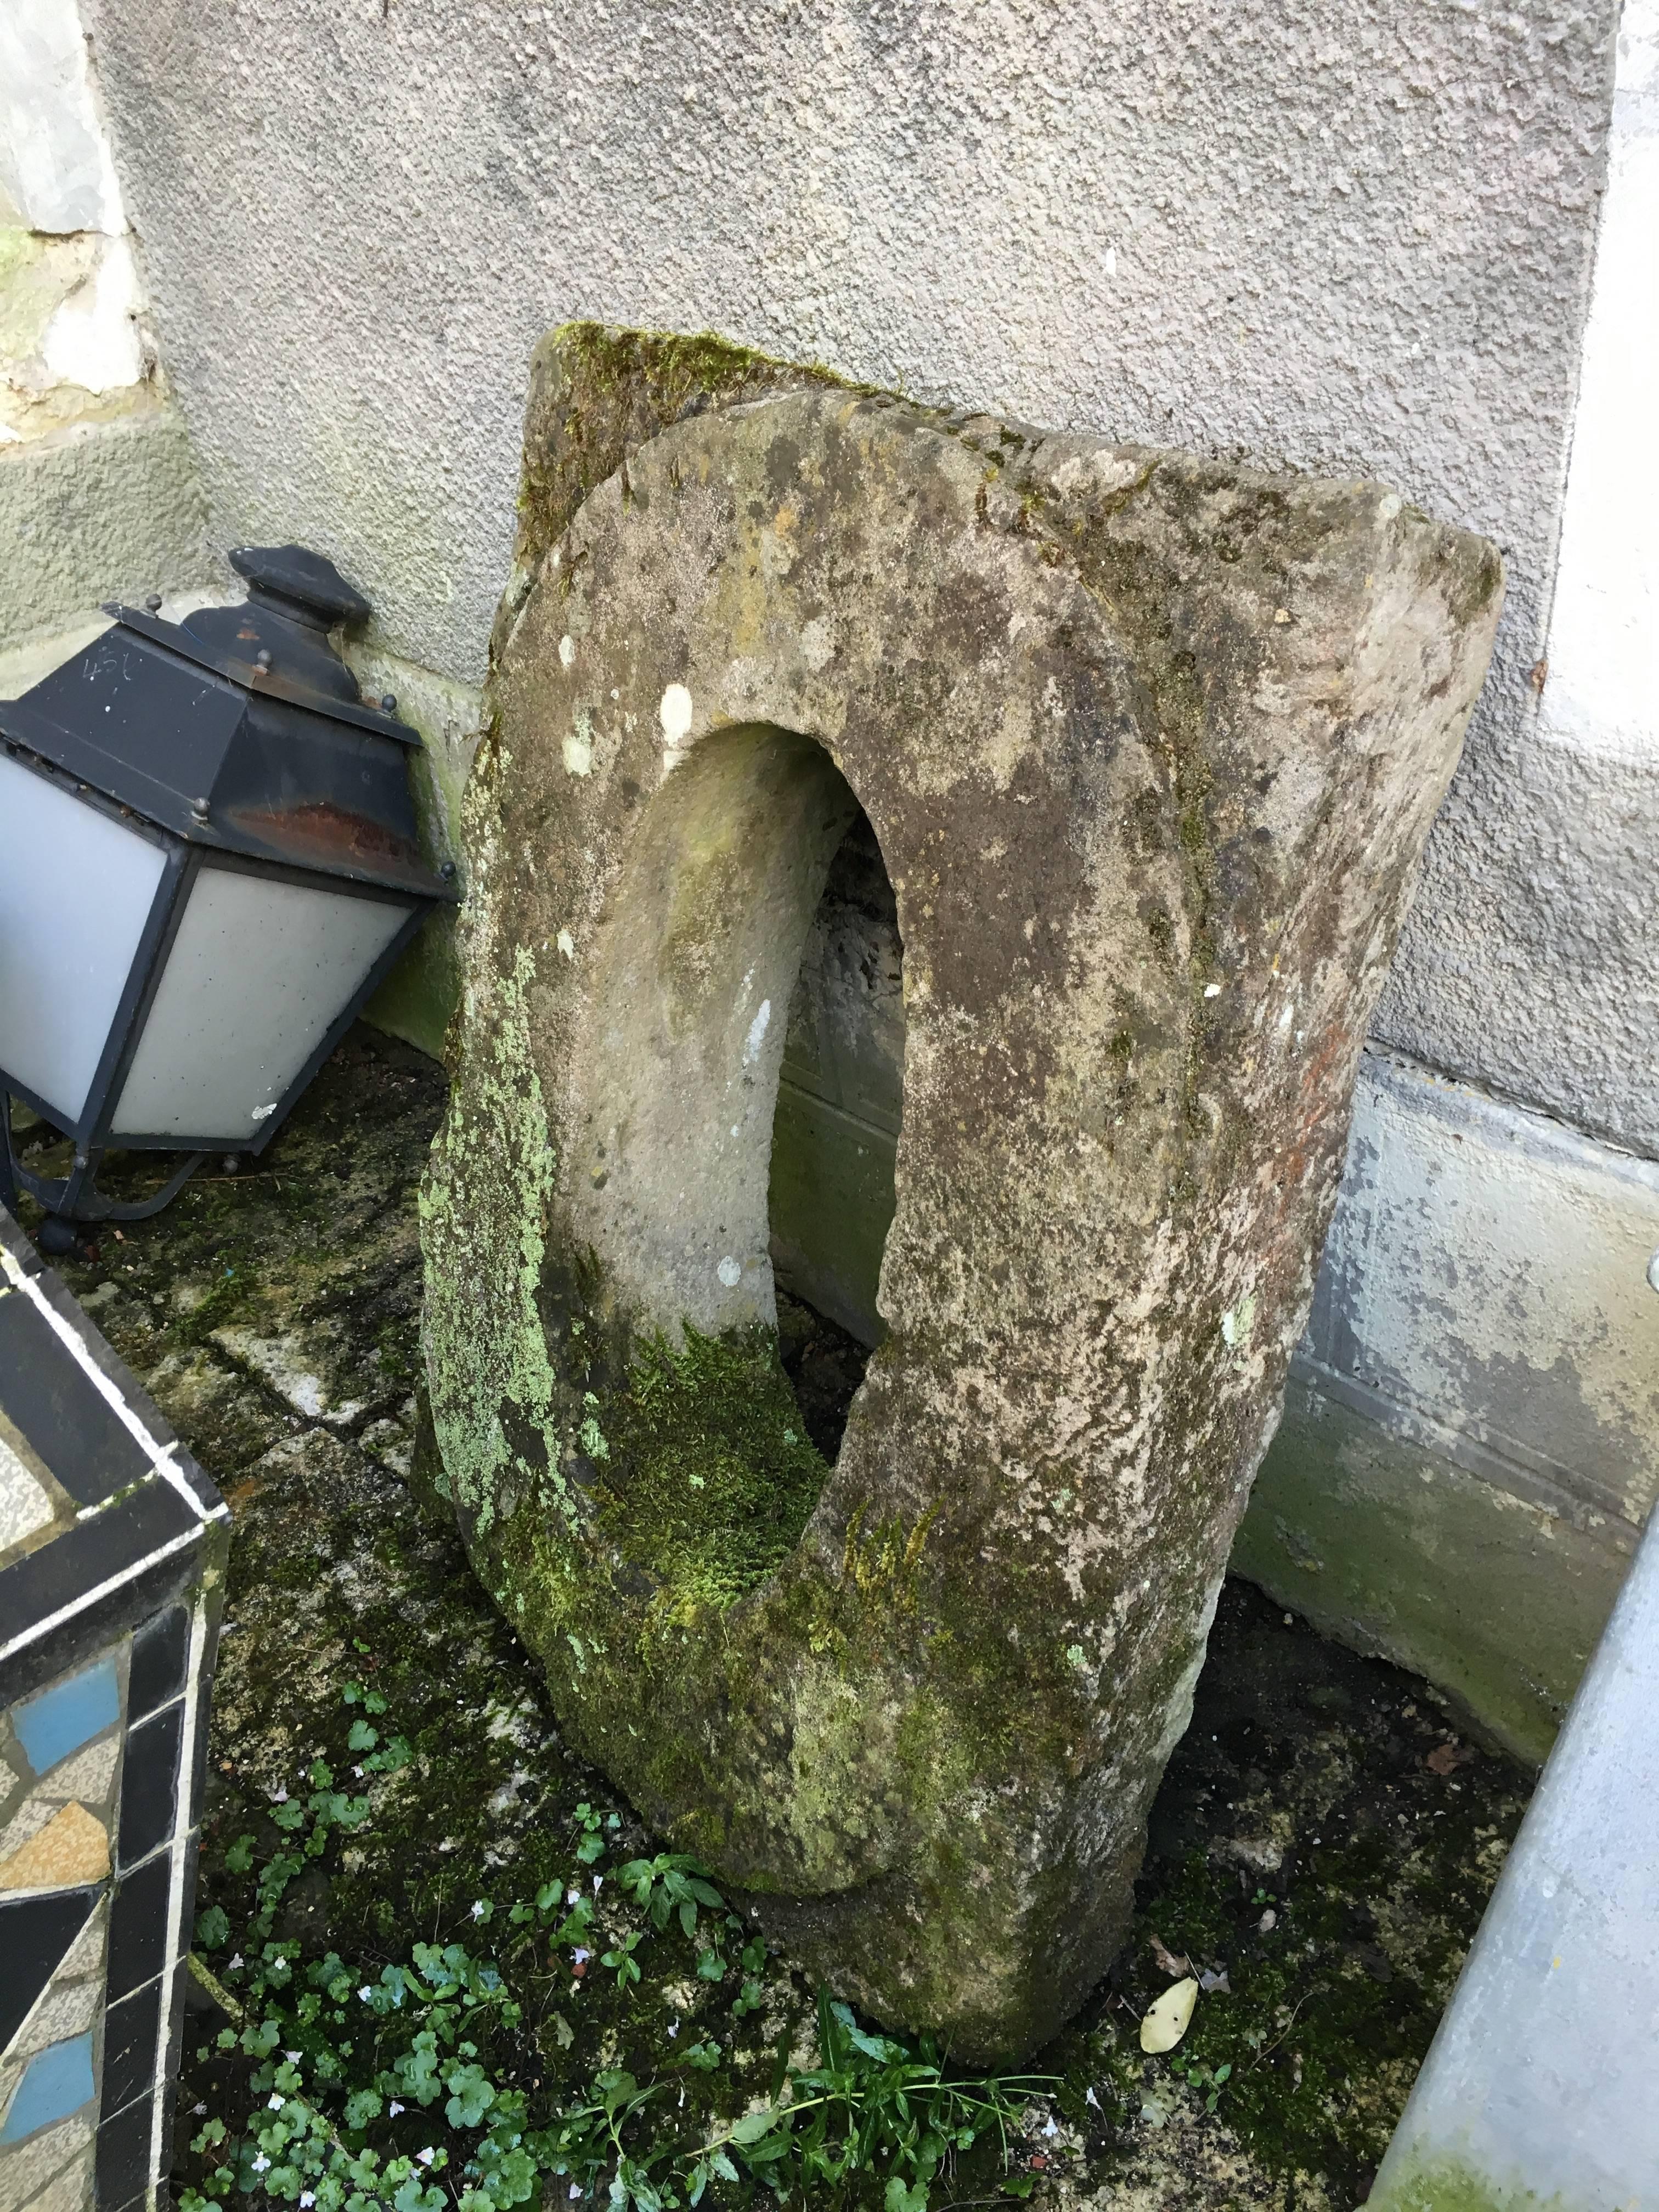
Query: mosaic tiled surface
[111,1555]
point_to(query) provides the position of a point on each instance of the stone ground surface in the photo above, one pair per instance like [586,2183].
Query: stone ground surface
[1322,1838]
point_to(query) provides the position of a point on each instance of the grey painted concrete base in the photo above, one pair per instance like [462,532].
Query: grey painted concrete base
[1495,1597]
[1471,1437]
[110,511]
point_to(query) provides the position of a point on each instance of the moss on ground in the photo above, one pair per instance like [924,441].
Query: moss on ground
[1324,1789]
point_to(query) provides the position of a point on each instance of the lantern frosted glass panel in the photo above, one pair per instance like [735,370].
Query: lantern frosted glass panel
[259,970]
[75,892]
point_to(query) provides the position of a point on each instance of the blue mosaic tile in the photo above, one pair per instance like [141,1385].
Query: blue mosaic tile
[59,1721]
[56,2082]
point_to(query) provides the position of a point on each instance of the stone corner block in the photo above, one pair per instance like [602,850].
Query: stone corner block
[1150,745]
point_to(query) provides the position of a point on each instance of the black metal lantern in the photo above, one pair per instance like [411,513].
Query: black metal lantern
[207,860]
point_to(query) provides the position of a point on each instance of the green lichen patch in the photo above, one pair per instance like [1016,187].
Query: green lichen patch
[1449,2185]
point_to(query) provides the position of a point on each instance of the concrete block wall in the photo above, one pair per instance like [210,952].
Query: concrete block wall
[1410,239]
[99,491]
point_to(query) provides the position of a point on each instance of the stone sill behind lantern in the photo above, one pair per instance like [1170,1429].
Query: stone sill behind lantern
[113,1546]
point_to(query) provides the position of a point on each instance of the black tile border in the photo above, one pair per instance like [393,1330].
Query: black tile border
[161,1661]
[138,1927]
[197,1568]
[108,1363]
[132,2037]
[72,1428]
[150,1810]
[84,1578]
[147,1557]
[124,2155]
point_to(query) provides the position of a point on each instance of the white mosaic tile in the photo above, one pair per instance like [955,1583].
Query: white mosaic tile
[25,1506]
[71,2191]
[65,2009]
[88,1773]
[31,1816]
[26,2168]
[85,1955]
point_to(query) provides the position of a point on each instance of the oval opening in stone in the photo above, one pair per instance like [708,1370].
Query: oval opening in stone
[835,1135]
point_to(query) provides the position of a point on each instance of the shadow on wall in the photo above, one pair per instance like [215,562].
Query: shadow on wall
[835,1136]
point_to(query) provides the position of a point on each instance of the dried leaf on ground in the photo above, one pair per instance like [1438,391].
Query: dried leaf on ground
[1168,2021]
[1445,1757]
[1169,1962]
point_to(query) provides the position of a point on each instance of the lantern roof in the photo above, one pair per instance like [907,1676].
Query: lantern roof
[239,729]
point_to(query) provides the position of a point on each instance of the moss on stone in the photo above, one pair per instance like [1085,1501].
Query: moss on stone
[1447,2184]
[702,1474]
[927,1730]
[596,392]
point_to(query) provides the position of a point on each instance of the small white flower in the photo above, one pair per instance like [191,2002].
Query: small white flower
[358,1772]
[598,1883]
[575,2189]
[307,2198]
[580,1956]
[196,2111]
[365,1993]
[293,2056]
[393,2109]
[479,1908]
[261,2163]
[425,2156]
[1090,2098]
[276,2102]
[573,1897]
[281,1798]
[675,2029]
[235,1965]
[1051,2130]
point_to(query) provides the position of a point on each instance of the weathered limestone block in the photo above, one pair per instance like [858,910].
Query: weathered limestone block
[1150,745]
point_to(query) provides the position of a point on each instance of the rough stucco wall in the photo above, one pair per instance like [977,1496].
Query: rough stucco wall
[1545,974]
[1353,238]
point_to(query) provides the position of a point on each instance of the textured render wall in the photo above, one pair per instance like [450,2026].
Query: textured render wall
[1543,979]
[1355,238]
